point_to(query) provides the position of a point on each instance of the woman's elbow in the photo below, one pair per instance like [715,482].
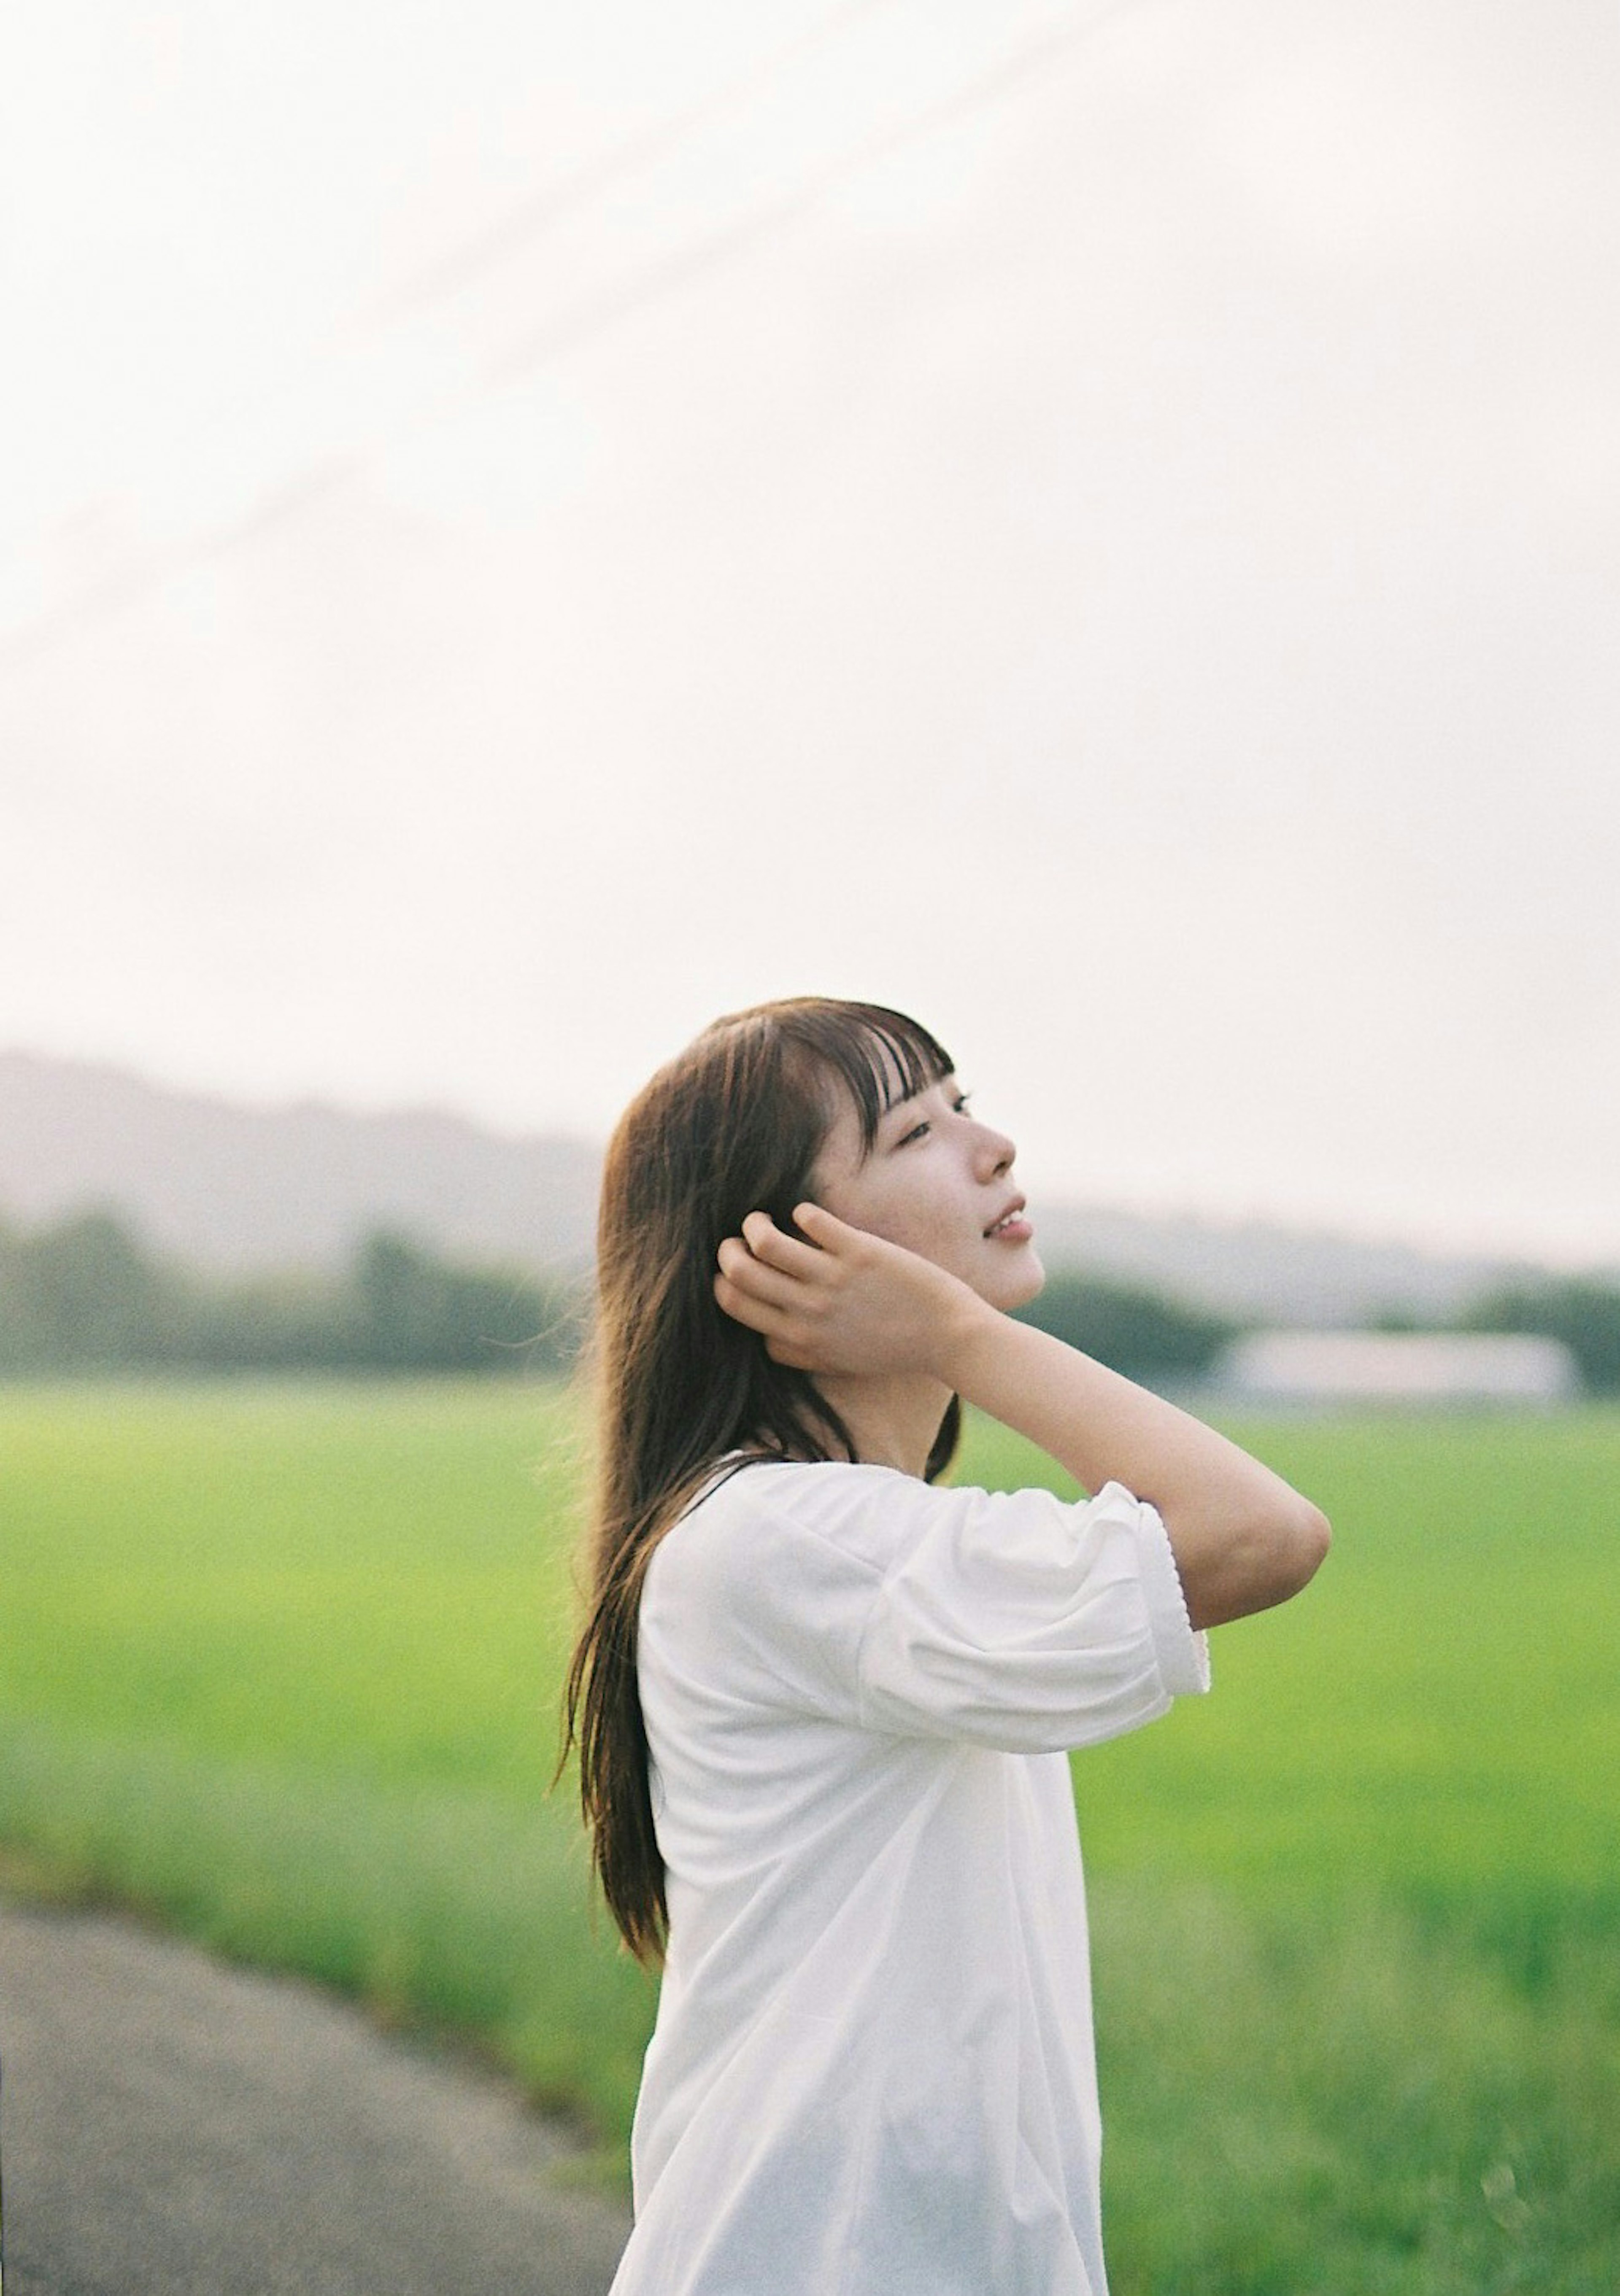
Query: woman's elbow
[1286,1551]
[1302,1548]
[1264,1563]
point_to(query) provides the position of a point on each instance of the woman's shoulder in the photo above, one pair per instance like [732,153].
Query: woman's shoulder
[749,1485]
[761,1510]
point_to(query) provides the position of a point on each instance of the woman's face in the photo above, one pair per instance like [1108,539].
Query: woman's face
[940,1182]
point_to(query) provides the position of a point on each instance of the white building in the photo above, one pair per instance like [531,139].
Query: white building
[1412,1370]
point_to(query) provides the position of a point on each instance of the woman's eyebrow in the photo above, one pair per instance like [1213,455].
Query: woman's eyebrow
[910,1099]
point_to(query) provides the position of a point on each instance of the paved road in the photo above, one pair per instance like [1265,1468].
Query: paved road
[172,2126]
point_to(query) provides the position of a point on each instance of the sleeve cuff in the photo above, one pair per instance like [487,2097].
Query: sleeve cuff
[1182,1654]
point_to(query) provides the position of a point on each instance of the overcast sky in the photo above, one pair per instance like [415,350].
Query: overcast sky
[526,528]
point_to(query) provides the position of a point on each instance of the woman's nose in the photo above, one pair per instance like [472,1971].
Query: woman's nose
[996,1152]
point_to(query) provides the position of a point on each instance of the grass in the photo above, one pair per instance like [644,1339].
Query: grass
[279,1664]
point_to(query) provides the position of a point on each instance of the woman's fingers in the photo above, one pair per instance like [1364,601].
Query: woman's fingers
[754,1276]
[825,1231]
[773,1266]
[783,1332]
[879,1307]
[842,1302]
[776,1286]
[769,1242]
[742,1308]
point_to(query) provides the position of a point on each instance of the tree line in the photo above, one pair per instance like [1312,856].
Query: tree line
[1577,1309]
[87,1294]
[1162,1341]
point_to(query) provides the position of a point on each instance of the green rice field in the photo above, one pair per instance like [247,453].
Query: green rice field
[279,1668]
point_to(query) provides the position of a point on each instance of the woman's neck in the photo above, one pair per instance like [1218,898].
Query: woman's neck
[894,1423]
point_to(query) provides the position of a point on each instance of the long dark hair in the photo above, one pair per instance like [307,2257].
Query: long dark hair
[731,1125]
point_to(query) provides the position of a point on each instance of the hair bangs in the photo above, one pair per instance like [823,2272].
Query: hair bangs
[881,1057]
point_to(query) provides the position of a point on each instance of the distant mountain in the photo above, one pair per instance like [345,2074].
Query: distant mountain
[233,1187]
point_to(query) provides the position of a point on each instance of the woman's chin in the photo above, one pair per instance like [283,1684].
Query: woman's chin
[1015,1285]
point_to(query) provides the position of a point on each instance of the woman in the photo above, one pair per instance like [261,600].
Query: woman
[824,1707]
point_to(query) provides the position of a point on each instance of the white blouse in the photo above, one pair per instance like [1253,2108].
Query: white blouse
[873,2071]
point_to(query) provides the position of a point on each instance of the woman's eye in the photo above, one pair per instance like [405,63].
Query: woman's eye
[920,1131]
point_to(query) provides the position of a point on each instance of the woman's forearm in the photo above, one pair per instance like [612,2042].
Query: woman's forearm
[1243,1539]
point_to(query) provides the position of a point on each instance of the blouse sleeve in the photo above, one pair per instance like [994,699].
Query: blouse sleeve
[856,1596]
[1019,1621]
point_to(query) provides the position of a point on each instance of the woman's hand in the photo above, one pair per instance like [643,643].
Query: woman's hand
[845,1302]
